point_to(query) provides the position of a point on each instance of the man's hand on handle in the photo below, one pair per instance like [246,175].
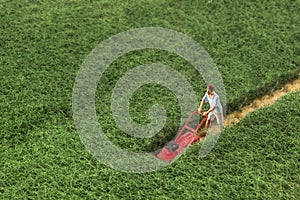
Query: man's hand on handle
[205,113]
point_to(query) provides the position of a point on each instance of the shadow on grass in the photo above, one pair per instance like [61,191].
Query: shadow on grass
[267,89]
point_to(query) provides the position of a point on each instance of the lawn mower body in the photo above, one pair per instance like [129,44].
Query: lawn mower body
[185,137]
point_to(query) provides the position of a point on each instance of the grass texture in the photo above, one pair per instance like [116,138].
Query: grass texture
[42,45]
[257,159]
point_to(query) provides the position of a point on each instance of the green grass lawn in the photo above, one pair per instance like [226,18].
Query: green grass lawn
[42,45]
[257,159]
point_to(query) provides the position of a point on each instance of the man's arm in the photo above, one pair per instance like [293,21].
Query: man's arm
[201,105]
[209,110]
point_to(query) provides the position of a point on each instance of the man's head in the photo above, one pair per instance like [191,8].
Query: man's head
[210,88]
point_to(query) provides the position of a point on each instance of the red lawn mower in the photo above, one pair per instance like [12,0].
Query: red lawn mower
[185,137]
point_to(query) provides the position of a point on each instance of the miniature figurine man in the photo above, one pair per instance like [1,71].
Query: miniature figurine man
[215,110]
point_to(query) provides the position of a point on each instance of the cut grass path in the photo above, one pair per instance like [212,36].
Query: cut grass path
[266,100]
